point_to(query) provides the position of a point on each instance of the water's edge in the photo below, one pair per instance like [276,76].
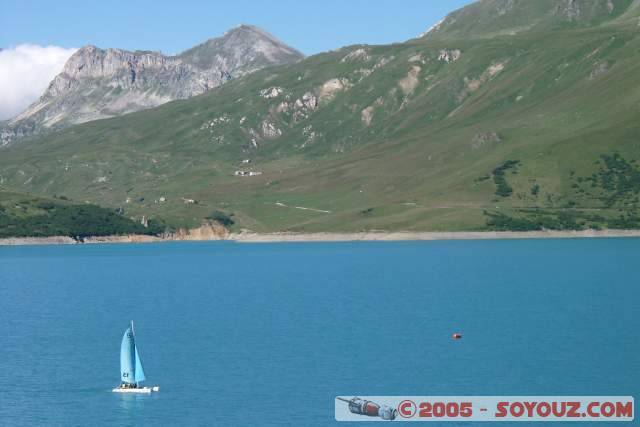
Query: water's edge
[249,237]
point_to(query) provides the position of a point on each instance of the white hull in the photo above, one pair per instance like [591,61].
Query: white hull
[142,390]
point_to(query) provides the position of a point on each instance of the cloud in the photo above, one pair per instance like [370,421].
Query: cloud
[25,72]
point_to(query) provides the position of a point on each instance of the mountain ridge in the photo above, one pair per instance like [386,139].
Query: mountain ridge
[535,130]
[489,18]
[101,83]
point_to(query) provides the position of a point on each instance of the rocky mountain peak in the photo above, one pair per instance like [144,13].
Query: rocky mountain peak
[246,43]
[244,31]
[98,83]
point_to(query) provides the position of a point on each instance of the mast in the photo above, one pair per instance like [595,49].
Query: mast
[135,351]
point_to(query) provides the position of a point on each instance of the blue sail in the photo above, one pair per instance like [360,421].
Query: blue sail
[127,357]
[139,371]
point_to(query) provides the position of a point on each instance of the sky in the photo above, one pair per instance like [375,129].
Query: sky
[39,35]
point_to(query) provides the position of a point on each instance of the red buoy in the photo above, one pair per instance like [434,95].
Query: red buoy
[456,336]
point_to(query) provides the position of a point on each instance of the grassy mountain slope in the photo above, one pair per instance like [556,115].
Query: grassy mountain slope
[488,18]
[536,129]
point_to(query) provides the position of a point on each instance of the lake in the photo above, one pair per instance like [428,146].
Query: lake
[269,334]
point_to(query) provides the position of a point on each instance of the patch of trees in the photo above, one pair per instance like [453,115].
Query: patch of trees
[617,182]
[76,221]
[221,218]
[625,222]
[535,189]
[573,220]
[503,189]
[535,222]
[502,222]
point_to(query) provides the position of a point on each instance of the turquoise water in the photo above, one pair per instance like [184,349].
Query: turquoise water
[269,334]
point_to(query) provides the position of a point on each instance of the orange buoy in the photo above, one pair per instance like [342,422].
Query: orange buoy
[456,336]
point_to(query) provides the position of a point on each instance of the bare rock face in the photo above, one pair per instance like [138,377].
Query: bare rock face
[409,83]
[270,130]
[599,70]
[449,55]
[367,116]
[571,9]
[100,83]
[331,88]
[304,106]
[207,231]
[482,139]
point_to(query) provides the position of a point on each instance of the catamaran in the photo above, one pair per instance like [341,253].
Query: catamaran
[131,371]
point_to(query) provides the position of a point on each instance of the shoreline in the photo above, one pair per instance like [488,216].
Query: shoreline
[284,237]
[401,236]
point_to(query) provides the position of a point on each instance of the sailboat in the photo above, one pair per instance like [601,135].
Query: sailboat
[131,371]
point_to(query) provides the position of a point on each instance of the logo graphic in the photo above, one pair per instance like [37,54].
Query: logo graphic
[368,408]
[485,408]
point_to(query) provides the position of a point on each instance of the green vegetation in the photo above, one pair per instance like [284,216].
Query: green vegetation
[407,124]
[503,189]
[535,190]
[490,18]
[537,220]
[23,216]
[616,184]
[222,218]
[618,180]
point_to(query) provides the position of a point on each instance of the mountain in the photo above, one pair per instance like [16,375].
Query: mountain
[97,83]
[487,18]
[513,131]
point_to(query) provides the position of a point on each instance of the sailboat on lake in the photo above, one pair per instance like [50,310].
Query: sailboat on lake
[131,371]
